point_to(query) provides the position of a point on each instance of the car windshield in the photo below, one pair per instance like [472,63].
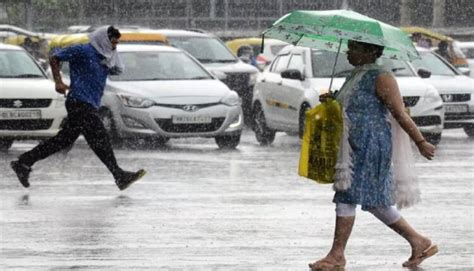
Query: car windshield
[142,66]
[18,64]
[206,50]
[432,63]
[323,62]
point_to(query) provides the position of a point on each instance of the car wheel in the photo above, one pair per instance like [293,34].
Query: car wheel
[227,141]
[469,130]
[5,144]
[109,125]
[433,138]
[264,135]
[301,123]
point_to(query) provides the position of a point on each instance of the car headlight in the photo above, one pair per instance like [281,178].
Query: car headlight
[432,96]
[137,102]
[231,99]
[253,79]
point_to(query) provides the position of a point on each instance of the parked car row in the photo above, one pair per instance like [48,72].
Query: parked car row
[189,84]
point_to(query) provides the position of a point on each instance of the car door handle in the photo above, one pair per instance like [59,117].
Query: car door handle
[279,83]
[263,80]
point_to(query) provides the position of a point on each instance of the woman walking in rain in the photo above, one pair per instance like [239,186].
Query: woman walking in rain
[90,64]
[363,172]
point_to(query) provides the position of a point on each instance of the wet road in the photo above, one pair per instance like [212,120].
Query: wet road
[200,208]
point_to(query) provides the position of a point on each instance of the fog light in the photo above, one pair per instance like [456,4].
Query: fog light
[236,122]
[132,123]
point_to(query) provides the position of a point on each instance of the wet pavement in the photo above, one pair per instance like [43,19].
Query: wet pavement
[200,208]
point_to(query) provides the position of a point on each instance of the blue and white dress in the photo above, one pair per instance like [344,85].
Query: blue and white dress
[364,172]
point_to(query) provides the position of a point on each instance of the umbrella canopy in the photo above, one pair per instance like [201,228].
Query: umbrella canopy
[331,29]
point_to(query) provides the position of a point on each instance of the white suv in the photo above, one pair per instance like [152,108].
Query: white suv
[292,84]
[456,89]
[30,108]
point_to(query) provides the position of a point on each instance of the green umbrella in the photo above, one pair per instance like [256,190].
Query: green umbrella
[331,29]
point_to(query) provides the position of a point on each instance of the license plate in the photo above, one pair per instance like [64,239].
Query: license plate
[191,119]
[458,108]
[20,114]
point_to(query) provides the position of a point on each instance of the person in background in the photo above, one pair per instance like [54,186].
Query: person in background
[90,64]
[364,174]
[443,50]
[246,53]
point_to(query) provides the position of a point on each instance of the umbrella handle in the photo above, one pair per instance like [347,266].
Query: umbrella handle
[335,62]
[261,46]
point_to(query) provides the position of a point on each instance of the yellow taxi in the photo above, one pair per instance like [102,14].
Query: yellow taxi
[458,59]
[66,40]
[271,47]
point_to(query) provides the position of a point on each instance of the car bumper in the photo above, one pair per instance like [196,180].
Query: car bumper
[429,118]
[459,115]
[47,126]
[157,121]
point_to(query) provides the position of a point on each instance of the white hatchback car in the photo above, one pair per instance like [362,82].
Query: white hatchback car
[166,93]
[456,90]
[292,84]
[30,108]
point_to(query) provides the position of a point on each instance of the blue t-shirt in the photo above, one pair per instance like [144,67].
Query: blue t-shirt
[88,75]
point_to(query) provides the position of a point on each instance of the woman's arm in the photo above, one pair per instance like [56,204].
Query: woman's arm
[387,90]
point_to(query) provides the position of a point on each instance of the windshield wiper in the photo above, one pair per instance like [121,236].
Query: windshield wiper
[225,60]
[398,69]
[199,78]
[27,75]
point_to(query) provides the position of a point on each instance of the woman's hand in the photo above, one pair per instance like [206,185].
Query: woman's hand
[426,149]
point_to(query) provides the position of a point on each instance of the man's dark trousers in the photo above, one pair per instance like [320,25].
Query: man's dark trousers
[83,119]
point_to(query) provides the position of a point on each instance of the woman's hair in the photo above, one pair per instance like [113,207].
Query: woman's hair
[369,47]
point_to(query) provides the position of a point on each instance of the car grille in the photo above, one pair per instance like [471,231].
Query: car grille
[182,106]
[237,81]
[25,103]
[410,101]
[427,120]
[459,116]
[25,125]
[168,126]
[456,97]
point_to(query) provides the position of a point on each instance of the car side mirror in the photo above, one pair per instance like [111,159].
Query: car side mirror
[464,70]
[293,74]
[424,73]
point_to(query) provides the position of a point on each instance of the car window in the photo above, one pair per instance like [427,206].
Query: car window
[469,52]
[398,67]
[323,61]
[142,66]
[281,64]
[434,64]
[18,64]
[204,49]
[276,48]
[296,62]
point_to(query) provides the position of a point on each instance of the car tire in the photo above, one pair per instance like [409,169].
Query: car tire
[469,130]
[5,144]
[109,125]
[227,141]
[433,138]
[265,136]
[301,123]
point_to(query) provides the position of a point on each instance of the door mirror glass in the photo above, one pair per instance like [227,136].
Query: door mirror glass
[424,73]
[293,74]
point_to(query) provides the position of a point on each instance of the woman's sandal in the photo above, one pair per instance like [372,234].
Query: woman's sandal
[430,251]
